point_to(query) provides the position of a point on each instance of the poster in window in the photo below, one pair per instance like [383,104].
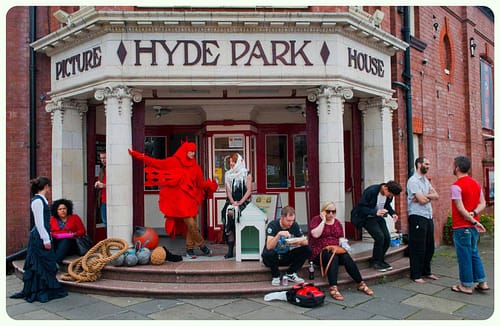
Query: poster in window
[235,141]
[486,95]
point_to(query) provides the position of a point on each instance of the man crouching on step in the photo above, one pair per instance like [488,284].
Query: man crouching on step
[286,245]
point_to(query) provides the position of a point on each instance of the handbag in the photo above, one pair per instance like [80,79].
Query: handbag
[83,244]
[334,249]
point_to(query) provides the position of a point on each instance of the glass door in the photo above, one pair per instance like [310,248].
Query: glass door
[285,160]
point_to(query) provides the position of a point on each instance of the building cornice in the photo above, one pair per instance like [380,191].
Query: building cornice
[87,24]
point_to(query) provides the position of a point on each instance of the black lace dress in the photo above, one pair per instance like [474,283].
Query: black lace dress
[40,269]
[238,190]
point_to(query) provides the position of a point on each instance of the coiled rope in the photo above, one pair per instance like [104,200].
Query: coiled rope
[88,267]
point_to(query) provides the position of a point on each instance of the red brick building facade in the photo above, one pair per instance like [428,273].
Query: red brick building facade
[441,77]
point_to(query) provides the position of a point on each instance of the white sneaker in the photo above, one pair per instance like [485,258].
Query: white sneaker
[275,281]
[295,278]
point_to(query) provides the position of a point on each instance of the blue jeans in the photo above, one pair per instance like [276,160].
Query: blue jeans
[103,214]
[470,266]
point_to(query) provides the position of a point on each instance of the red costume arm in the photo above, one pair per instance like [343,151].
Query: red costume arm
[148,160]
[210,187]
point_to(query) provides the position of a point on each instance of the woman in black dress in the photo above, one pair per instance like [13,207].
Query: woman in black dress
[40,269]
[238,189]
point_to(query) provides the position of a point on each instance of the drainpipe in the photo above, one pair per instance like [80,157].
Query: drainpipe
[32,92]
[32,96]
[406,86]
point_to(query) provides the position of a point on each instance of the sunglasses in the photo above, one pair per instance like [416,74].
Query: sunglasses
[330,211]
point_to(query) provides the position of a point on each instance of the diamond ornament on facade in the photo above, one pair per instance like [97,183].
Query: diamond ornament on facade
[122,52]
[325,53]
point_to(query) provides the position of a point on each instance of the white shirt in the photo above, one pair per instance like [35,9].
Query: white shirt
[37,208]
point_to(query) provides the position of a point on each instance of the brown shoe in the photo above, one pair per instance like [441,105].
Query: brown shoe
[364,288]
[334,292]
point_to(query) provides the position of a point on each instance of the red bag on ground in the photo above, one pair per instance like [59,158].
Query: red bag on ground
[305,295]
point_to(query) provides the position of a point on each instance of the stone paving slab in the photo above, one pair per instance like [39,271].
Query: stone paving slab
[70,302]
[432,303]
[389,293]
[425,314]
[475,312]
[338,312]
[274,313]
[187,311]
[120,301]
[388,309]
[23,308]
[126,315]
[239,308]
[426,288]
[39,314]
[98,310]
[209,303]
[154,306]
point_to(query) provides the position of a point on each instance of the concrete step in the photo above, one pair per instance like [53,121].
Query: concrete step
[215,277]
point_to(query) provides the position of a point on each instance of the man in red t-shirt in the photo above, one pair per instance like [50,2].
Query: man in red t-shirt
[467,201]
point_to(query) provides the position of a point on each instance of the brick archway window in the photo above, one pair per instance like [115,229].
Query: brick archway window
[447,53]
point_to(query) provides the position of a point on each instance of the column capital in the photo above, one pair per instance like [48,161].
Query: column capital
[326,94]
[329,91]
[385,105]
[119,92]
[391,103]
[378,102]
[63,104]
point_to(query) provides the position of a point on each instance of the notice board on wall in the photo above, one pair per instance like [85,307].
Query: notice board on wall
[270,204]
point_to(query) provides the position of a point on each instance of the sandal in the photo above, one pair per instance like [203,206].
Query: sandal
[334,292]
[460,289]
[481,289]
[364,288]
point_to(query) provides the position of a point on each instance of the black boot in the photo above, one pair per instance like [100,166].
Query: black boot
[171,257]
[230,247]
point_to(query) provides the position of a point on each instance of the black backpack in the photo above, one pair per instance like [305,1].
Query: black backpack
[305,295]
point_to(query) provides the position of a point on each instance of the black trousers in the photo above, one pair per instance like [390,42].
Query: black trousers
[420,245]
[64,248]
[333,271]
[294,258]
[377,228]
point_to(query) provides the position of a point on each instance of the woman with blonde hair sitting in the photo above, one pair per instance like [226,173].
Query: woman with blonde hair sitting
[324,238]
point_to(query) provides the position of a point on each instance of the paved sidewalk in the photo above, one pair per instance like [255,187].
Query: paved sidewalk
[402,299]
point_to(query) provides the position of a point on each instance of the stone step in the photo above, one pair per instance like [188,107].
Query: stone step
[213,277]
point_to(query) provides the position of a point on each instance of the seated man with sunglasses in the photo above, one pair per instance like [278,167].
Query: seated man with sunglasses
[285,246]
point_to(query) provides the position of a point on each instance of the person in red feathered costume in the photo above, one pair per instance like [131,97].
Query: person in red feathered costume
[182,189]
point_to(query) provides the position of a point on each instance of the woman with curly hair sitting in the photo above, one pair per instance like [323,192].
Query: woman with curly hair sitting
[64,228]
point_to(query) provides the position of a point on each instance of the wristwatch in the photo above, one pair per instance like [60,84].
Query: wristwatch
[475,222]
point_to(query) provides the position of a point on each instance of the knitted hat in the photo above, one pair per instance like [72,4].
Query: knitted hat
[158,256]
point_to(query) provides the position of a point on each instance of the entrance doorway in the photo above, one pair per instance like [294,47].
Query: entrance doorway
[283,158]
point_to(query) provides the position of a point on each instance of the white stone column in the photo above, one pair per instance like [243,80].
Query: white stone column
[119,202]
[67,152]
[330,106]
[378,157]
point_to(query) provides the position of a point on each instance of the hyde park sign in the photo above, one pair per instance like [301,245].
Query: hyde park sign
[164,54]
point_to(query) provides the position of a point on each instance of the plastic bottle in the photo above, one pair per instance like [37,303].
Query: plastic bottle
[311,270]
